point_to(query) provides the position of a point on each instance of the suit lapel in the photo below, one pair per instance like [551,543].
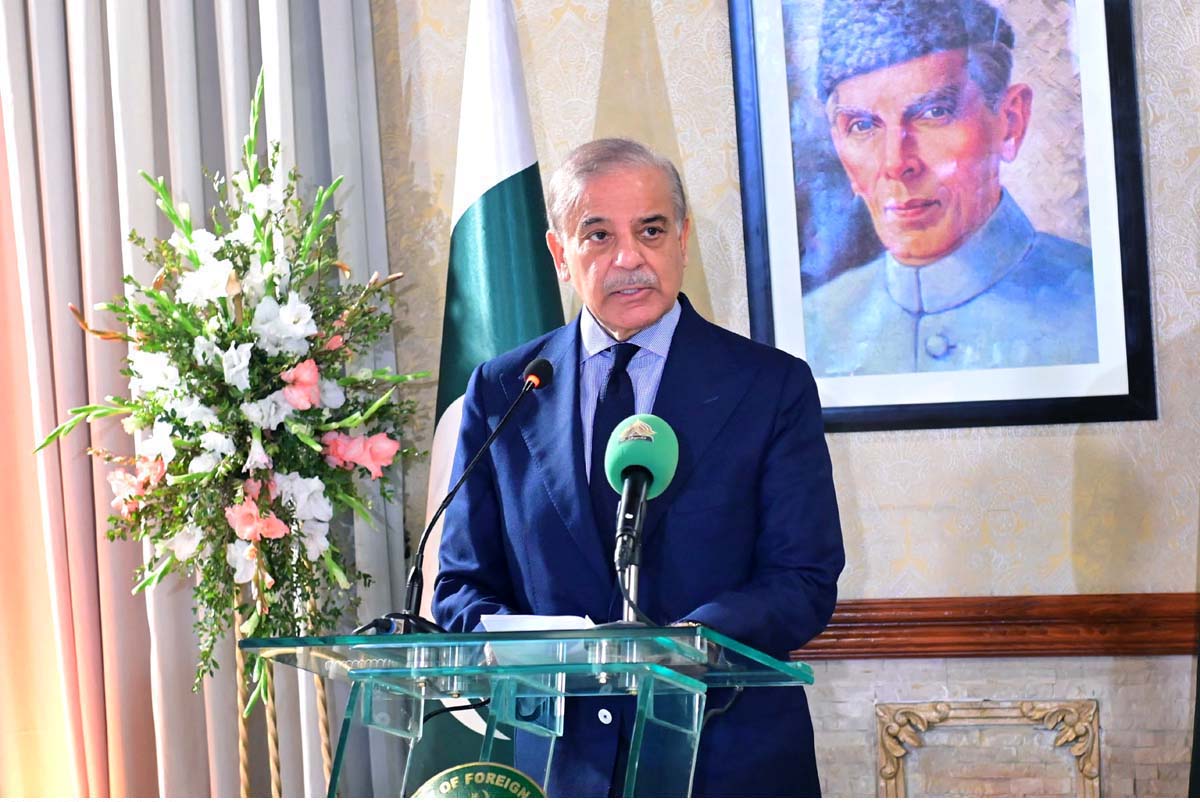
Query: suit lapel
[559,459]
[702,385]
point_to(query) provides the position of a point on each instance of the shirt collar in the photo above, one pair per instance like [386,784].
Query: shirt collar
[985,258]
[655,338]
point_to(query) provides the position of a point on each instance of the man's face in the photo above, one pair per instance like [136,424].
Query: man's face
[923,150]
[622,250]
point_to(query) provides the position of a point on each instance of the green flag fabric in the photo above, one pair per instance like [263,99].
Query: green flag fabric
[501,289]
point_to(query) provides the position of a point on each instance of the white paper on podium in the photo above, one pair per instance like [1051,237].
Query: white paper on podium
[533,652]
[534,623]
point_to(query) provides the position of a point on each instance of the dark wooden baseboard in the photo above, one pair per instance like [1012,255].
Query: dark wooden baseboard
[1010,626]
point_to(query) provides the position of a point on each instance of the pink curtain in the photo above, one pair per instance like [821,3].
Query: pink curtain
[95,686]
[79,632]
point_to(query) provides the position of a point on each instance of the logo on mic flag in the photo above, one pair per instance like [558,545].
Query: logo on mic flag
[638,430]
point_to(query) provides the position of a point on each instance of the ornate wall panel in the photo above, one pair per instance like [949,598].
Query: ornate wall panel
[1076,724]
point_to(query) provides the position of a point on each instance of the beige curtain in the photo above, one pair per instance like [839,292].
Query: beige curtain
[96,690]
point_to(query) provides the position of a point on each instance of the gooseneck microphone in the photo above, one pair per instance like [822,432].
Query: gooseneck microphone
[639,463]
[538,375]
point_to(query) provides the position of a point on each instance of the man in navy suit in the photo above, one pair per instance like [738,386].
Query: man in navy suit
[746,539]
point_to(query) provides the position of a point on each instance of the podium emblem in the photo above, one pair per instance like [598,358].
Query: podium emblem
[476,780]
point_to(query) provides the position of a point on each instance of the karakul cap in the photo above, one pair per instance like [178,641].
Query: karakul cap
[861,36]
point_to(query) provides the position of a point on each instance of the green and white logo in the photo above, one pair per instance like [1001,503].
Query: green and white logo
[476,780]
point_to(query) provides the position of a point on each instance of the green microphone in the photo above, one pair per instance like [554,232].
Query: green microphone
[639,462]
[642,443]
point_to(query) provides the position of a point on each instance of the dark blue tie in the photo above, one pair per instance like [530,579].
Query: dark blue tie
[613,405]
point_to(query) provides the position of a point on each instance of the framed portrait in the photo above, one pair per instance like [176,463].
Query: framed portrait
[943,207]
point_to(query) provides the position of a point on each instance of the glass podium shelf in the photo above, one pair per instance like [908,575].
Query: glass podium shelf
[443,665]
[527,678]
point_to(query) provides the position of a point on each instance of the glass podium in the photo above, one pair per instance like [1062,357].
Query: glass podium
[396,681]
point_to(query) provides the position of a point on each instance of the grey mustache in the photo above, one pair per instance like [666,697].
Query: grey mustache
[638,278]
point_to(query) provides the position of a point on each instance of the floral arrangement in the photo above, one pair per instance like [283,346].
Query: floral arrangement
[252,427]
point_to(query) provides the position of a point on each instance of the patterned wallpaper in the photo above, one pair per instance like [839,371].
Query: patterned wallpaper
[1041,509]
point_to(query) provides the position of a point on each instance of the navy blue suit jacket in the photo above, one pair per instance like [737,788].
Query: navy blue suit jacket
[746,539]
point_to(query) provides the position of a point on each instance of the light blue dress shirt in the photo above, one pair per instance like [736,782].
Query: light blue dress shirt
[1010,296]
[645,369]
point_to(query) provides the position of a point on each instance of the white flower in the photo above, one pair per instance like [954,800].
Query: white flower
[193,412]
[204,350]
[158,444]
[204,462]
[268,412]
[151,372]
[185,542]
[241,556]
[307,496]
[207,283]
[283,270]
[236,364]
[258,458]
[254,283]
[243,229]
[332,395]
[218,443]
[283,329]
[259,200]
[216,446]
[203,243]
[296,317]
[315,536]
[241,181]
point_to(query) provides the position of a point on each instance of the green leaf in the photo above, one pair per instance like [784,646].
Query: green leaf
[356,505]
[358,418]
[250,624]
[383,399]
[303,434]
[335,571]
[187,478]
[154,577]
[260,689]
[60,430]
[252,137]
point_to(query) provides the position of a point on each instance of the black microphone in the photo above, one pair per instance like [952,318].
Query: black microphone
[538,375]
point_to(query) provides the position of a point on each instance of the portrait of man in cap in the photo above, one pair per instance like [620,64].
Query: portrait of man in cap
[922,113]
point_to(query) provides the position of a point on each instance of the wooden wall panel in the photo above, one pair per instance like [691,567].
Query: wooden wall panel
[1010,626]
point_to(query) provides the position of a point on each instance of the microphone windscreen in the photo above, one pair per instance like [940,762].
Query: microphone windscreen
[644,441]
[540,372]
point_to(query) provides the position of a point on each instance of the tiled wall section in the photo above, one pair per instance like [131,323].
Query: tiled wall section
[1145,715]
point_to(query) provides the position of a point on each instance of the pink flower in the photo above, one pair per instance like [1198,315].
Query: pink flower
[126,488]
[302,391]
[272,528]
[150,472]
[244,519]
[336,453]
[335,342]
[372,453]
[379,450]
[124,484]
[253,487]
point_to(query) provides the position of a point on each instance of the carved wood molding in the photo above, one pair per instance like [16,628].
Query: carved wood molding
[1011,626]
[899,728]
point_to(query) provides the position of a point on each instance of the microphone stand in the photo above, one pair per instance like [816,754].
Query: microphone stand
[409,621]
[631,514]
